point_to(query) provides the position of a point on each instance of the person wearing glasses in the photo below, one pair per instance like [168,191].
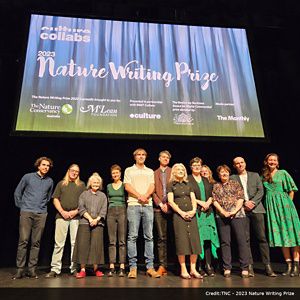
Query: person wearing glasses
[205,217]
[65,200]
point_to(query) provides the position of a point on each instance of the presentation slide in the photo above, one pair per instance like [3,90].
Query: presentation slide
[94,76]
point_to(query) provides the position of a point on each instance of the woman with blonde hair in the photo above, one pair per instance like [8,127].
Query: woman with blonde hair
[207,173]
[89,242]
[183,201]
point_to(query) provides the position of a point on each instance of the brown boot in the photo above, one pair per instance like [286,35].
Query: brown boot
[152,273]
[132,273]
[162,271]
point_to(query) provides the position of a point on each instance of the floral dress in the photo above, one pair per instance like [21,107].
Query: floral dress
[282,217]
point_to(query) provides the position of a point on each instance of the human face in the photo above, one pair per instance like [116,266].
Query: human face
[73,173]
[179,172]
[223,175]
[272,162]
[164,159]
[204,172]
[44,167]
[95,185]
[140,157]
[115,175]
[196,168]
[240,165]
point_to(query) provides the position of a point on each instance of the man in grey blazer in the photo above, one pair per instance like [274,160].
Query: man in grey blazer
[253,189]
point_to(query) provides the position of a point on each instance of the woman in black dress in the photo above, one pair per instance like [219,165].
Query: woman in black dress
[183,201]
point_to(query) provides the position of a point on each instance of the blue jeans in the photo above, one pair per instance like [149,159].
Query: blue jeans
[134,216]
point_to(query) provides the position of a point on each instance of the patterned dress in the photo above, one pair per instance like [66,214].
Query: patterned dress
[282,217]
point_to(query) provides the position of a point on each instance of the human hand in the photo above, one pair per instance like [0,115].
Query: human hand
[143,199]
[249,205]
[226,214]
[93,222]
[72,213]
[65,214]
[164,207]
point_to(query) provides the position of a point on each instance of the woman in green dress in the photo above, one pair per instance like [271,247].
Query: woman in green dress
[282,217]
[207,228]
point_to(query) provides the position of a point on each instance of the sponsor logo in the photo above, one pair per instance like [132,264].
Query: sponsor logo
[145,116]
[52,111]
[99,110]
[183,119]
[67,109]
[66,34]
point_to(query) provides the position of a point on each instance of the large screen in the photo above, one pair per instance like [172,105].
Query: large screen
[134,78]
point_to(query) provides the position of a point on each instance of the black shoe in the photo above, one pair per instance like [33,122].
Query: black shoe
[111,272]
[19,274]
[269,271]
[295,271]
[202,272]
[121,272]
[288,270]
[251,271]
[51,274]
[210,270]
[32,274]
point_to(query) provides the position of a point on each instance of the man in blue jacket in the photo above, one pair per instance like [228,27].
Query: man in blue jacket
[32,196]
[253,190]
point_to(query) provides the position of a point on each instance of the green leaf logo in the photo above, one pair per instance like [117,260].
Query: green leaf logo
[66,109]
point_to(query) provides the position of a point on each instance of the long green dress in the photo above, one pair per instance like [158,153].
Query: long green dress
[207,226]
[282,217]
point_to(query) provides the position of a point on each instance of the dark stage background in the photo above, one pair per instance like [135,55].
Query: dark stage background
[273,33]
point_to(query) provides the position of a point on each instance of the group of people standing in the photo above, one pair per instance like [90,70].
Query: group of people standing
[203,211]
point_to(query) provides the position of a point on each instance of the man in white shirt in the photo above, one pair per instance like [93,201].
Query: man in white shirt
[253,190]
[139,183]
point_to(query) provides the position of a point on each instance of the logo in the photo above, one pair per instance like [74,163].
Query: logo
[99,110]
[183,119]
[52,111]
[145,116]
[67,109]
[64,33]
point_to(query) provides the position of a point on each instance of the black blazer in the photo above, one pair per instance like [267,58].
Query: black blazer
[207,186]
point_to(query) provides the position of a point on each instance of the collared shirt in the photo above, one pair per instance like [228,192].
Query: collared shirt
[140,179]
[163,176]
[33,193]
[244,181]
[227,194]
[95,204]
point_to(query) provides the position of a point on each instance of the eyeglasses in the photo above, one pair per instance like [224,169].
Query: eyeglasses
[74,171]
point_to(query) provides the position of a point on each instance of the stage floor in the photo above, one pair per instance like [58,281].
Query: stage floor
[172,280]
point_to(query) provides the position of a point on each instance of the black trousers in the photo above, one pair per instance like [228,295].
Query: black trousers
[117,231]
[161,221]
[257,224]
[31,224]
[238,226]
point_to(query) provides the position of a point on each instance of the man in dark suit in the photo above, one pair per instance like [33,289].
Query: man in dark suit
[161,208]
[253,189]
